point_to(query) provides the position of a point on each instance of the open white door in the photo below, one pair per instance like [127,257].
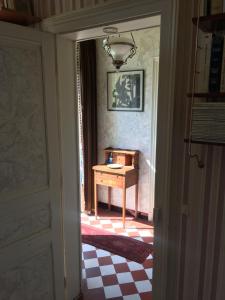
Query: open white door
[66,52]
[31,240]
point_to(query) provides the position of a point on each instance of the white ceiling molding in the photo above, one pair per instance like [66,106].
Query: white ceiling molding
[77,20]
[123,27]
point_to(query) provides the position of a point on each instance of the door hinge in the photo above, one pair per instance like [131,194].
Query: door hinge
[65,282]
[185,210]
[156,216]
[61,180]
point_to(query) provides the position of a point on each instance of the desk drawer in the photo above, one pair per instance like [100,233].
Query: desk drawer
[109,179]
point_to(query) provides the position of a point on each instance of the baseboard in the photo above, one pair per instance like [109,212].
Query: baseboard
[130,212]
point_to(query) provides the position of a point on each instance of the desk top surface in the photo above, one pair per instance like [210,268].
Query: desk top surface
[123,171]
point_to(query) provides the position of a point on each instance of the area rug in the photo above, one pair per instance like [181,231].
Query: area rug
[121,245]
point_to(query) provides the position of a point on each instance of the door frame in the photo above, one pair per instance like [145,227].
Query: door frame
[102,15]
[69,165]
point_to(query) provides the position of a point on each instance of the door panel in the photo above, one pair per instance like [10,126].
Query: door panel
[23,150]
[28,274]
[31,248]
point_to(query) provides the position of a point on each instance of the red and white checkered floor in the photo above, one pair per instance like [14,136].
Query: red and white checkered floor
[109,276]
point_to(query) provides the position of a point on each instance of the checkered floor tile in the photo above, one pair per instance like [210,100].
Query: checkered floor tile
[109,276]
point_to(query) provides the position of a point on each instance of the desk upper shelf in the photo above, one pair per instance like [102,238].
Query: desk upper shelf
[123,171]
[124,157]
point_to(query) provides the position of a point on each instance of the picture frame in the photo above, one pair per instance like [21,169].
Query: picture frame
[125,91]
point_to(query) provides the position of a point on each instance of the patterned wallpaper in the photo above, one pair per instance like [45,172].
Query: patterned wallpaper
[131,130]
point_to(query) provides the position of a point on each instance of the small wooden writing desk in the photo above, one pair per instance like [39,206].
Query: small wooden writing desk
[118,178]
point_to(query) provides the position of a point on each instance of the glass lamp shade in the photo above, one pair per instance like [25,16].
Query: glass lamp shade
[119,49]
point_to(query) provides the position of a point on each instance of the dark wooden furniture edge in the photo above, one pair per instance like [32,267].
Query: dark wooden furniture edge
[206,95]
[204,143]
[20,18]
[211,23]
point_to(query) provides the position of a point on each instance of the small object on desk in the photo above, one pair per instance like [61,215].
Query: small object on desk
[110,158]
[122,177]
[115,166]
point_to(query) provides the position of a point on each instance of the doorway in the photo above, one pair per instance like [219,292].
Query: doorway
[130,10]
[106,275]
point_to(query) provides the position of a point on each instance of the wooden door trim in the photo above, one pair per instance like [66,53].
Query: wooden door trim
[125,10]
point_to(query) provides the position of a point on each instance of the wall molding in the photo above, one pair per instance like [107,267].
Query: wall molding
[77,19]
[141,215]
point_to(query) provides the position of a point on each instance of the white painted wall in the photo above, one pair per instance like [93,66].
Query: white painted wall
[131,130]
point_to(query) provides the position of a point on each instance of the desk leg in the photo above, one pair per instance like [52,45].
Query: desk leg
[109,197]
[136,200]
[96,199]
[124,207]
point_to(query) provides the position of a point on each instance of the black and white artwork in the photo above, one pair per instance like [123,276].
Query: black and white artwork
[125,90]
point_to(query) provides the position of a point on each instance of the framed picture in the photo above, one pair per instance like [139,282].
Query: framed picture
[125,90]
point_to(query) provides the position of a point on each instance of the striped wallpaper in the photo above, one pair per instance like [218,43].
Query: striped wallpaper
[201,192]
[49,8]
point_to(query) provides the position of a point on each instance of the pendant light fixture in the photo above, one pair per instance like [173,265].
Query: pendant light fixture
[119,48]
